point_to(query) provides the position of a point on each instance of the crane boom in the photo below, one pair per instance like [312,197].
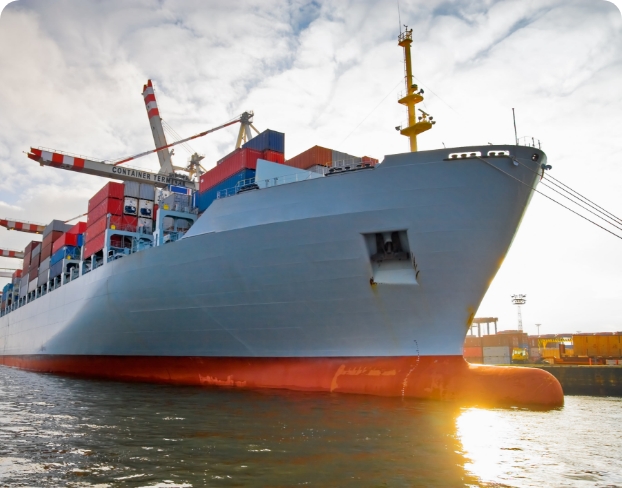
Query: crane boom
[22,225]
[60,160]
[166,165]
[179,142]
[6,272]
[9,253]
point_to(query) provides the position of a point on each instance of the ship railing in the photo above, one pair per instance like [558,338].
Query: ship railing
[529,142]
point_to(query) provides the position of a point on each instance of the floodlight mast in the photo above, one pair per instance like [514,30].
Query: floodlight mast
[519,300]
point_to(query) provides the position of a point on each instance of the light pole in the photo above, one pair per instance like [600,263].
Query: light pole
[519,300]
[538,326]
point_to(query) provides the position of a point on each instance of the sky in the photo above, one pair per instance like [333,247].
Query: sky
[329,73]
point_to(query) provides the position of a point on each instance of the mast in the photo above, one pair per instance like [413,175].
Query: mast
[412,96]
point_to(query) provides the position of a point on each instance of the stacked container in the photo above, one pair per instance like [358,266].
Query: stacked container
[67,248]
[321,156]
[107,201]
[240,165]
[54,231]
[146,208]
[129,219]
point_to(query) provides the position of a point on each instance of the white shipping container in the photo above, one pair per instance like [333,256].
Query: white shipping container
[496,351]
[497,360]
[130,206]
[45,264]
[32,286]
[147,192]
[145,208]
[43,277]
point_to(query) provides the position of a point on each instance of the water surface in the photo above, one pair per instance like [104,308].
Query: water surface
[58,431]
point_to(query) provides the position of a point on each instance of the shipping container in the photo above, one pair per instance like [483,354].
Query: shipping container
[111,191]
[17,274]
[46,252]
[31,245]
[43,277]
[56,225]
[268,139]
[32,284]
[273,156]
[80,240]
[94,245]
[233,164]
[145,224]
[78,228]
[99,226]
[177,200]
[145,208]
[508,338]
[338,156]
[369,160]
[205,199]
[65,240]
[472,341]
[128,223]
[56,269]
[311,157]
[147,192]
[107,206]
[35,252]
[45,264]
[497,360]
[472,352]
[23,287]
[130,206]
[67,252]
[51,237]
[131,189]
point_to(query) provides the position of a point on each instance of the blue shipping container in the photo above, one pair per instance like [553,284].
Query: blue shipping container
[56,269]
[268,139]
[80,240]
[205,199]
[71,252]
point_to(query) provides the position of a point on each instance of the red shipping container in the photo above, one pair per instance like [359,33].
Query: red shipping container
[275,157]
[51,237]
[97,244]
[234,163]
[128,223]
[107,206]
[94,245]
[17,274]
[46,252]
[98,227]
[316,155]
[369,160]
[112,190]
[79,228]
[66,239]
[155,215]
[31,245]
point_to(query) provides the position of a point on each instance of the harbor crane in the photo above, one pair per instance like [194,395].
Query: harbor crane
[10,253]
[22,225]
[166,175]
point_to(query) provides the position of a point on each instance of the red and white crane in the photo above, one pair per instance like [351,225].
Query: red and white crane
[10,253]
[22,225]
[166,176]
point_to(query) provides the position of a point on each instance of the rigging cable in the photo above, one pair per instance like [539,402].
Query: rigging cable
[552,199]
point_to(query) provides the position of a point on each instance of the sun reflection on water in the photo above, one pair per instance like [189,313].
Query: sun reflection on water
[484,435]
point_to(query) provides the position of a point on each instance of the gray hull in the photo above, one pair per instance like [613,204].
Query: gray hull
[286,271]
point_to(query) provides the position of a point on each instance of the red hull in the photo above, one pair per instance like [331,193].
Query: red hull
[430,377]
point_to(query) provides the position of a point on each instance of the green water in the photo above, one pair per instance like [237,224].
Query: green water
[57,431]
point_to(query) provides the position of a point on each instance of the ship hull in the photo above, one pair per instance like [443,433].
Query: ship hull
[285,276]
[447,378]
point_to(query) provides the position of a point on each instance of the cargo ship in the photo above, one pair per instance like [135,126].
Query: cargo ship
[322,272]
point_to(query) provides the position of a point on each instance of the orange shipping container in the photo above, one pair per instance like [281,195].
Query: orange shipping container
[311,157]
[473,352]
